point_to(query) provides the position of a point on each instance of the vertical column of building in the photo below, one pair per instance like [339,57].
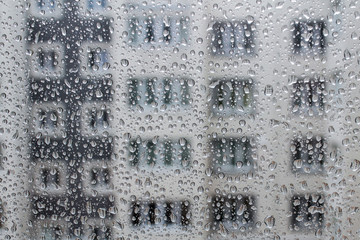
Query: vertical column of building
[295,47]
[283,54]
[233,76]
[70,146]
[158,107]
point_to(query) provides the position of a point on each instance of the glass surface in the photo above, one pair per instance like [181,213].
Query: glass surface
[169,119]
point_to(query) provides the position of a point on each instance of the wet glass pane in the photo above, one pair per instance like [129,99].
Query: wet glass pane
[174,119]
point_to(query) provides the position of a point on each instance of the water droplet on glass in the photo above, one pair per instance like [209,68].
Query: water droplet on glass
[269,221]
[124,62]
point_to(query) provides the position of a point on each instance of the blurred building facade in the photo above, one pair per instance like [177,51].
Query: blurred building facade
[180,120]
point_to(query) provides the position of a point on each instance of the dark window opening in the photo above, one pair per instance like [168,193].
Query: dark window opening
[100,176]
[233,210]
[99,119]
[134,92]
[231,155]
[50,177]
[308,96]
[168,153]
[232,38]
[47,60]
[307,212]
[46,4]
[167,30]
[48,119]
[308,37]
[308,155]
[149,30]
[136,219]
[134,153]
[185,211]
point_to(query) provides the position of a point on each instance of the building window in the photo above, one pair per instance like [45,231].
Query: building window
[136,219]
[232,96]
[232,211]
[233,38]
[50,178]
[46,4]
[307,212]
[308,37]
[101,233]
[153,92]
[308,155]
[100,177]
[98,118]
[309,96]
[96,4]
[47,60]
[98,59]
[164,153]
[149,30]
[49,120]
[176,213]
[167,213]
[232,155]
[161,29]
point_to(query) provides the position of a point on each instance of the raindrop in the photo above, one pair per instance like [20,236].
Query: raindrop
[355,165]
[272,166]
[124,62]
[102,212]
[269,221]
[347,54]
[106,66]
[298,163]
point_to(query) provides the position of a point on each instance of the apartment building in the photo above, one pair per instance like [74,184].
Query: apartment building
[180,120]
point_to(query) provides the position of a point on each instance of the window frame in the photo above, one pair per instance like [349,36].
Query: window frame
[308,168]
[225,45]
[86,118]
[85,51]
[302,88]
[37,11]
[180,96]
[238,200]
[53,132]
[232,107]
[304,225]
[36,173]
[179,27]
[179,155]
[158,217]
[88,186]
[37,71]
[300,28]
[232,169]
